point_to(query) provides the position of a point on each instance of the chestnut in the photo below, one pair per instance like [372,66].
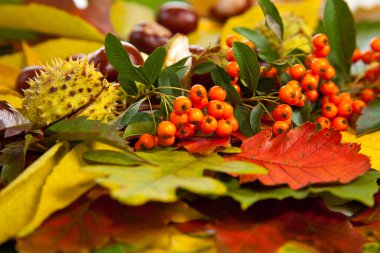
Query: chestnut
[178,17]
[101,62]
[147,36]
[26,74]
[225,9]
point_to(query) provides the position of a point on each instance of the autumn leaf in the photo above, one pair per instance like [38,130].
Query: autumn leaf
[103,221]
[203,146]
[303,156]
[8,76]
[11,97]
[166,172]
[12,121]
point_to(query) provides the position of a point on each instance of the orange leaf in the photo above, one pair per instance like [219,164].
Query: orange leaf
[204,146]
[302,156]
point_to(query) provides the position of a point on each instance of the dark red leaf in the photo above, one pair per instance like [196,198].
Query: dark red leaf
[203,146]
[303,156]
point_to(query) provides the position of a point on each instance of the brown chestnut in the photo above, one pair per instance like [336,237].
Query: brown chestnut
[178,17]
[225,9]
[147,36]
[26,74]
[101,62]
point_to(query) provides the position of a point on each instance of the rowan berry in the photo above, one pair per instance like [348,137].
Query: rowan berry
[282,112]
[320,40]
[329,88]
[233,69]
[182,104]
[215,108]
[178,119]
[166,129]
[234,123]
[356,56]
[166,142]
[230,55]
[324,122]
[271,73]
[339,123]
[344,109]
[250,44]
[329,73]
[231,38]
[312,95]
[358,105]
[208,125]
[223,128]
[367,95]
[375,44]
[237,88]
[197,93]
[183,131]
[319,66]
[279,127]
[228,110]
[335,98]
[322,52]
[309,82]
[289,94]
[147,141]
[195,115]
[201,104]
[367,56]
[297,71]
[217,93]
[329,110]
[302,101]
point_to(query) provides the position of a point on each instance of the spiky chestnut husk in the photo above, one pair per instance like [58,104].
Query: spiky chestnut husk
[297,34]
[69,87]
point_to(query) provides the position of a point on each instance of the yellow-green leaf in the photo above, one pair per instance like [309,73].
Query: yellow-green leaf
[369,145]
[19,200]
[65,184]
[31,57]
[54,48]
[8,76]
[12,97]
[207,33]
[46,19]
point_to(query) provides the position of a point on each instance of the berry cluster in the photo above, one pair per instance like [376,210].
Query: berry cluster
[194,114]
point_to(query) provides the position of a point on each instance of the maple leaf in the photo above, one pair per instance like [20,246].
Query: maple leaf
[302,156]
[204,146]
[87,225]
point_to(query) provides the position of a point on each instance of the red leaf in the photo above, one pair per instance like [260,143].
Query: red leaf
[204,146]
[303,156]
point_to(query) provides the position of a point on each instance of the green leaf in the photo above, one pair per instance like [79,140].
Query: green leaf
[139,128]
[221,78]
[112,157]
[243,115]
[369,120]
[204,67]
[126,117]
[273,19]
[167,172]
[265,51]
[128,86]
[362,190]
[119,58]
[154,64]
[248,64]
[169,78]
[301,115]
[81,129]
[339,27]
[255,118]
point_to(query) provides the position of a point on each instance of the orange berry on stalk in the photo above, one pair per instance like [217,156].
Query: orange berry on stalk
[329,73]
[193,129]
[228,110]
[356,56]
[147,141]
[367,56]
[195,115]
[217,93]
[325,100]
[237,88]
[312,95]
[302,101]
[297,71]
[322,52]
[294,84]
[234,123]
[137,146]
[230,55]
[166,142]
[358,105]
[344,109]
[309,82]
[319,66]
[335,98]
[346,97]
[329,88]
[223,128]
[271,73]
[289,94]
[375,44]
[249,43]
[320,40]
[166,129]
[215,108]
[231,38]
[367,95]
[182,104]
[178,119]
[201,104]
[324,122]
[282,112]
[233,69]
[208,125]
[279,127]
[183,131]
[339,123]
[197,93]
[329,110]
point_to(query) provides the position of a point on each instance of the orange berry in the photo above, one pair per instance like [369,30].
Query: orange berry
[234,123]
[375,44]
[358,105]
[197,93]
[282,112]
[271,73]
[193,129]
[297,71]
[309,59]
[294,84]
[237,88]
[279,127]
[339,123]
[356,56]
[223,128]
[182,104]
[217,93]
[329,73]
[231,38]
[367,56]
[230,55]
[137,146]
[201,104]
[322,52]
[344,109]
[228,110]
[320,40]
[289,94]
[312,95]
[367,95]
[147,141]
[166,142]
[183,132]
[319,66]
[346,97]
[249,43]
[215,108]
[324,122]
[302,101]
[208,125]
[178,119]
[329,110]
[309,82]
[233,69]
[195,115]
[325,100]
[335,98]
[329,88]
[166,129]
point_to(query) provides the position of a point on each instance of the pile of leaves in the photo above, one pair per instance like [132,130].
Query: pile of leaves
[78,186]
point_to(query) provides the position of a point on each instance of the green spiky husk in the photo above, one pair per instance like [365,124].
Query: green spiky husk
[69,88]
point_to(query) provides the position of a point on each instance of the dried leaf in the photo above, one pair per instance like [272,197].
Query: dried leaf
[303,156]
[204,146]
[12,121]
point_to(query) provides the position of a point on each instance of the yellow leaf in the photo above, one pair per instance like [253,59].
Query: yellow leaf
[369,145]
[203,7]
[124,15]
[207,33]
[19,200]
[308,9]
[64,185]
[47,19]
[11,96]
[55,48]
[8,76]
[31,56]
[297,247]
